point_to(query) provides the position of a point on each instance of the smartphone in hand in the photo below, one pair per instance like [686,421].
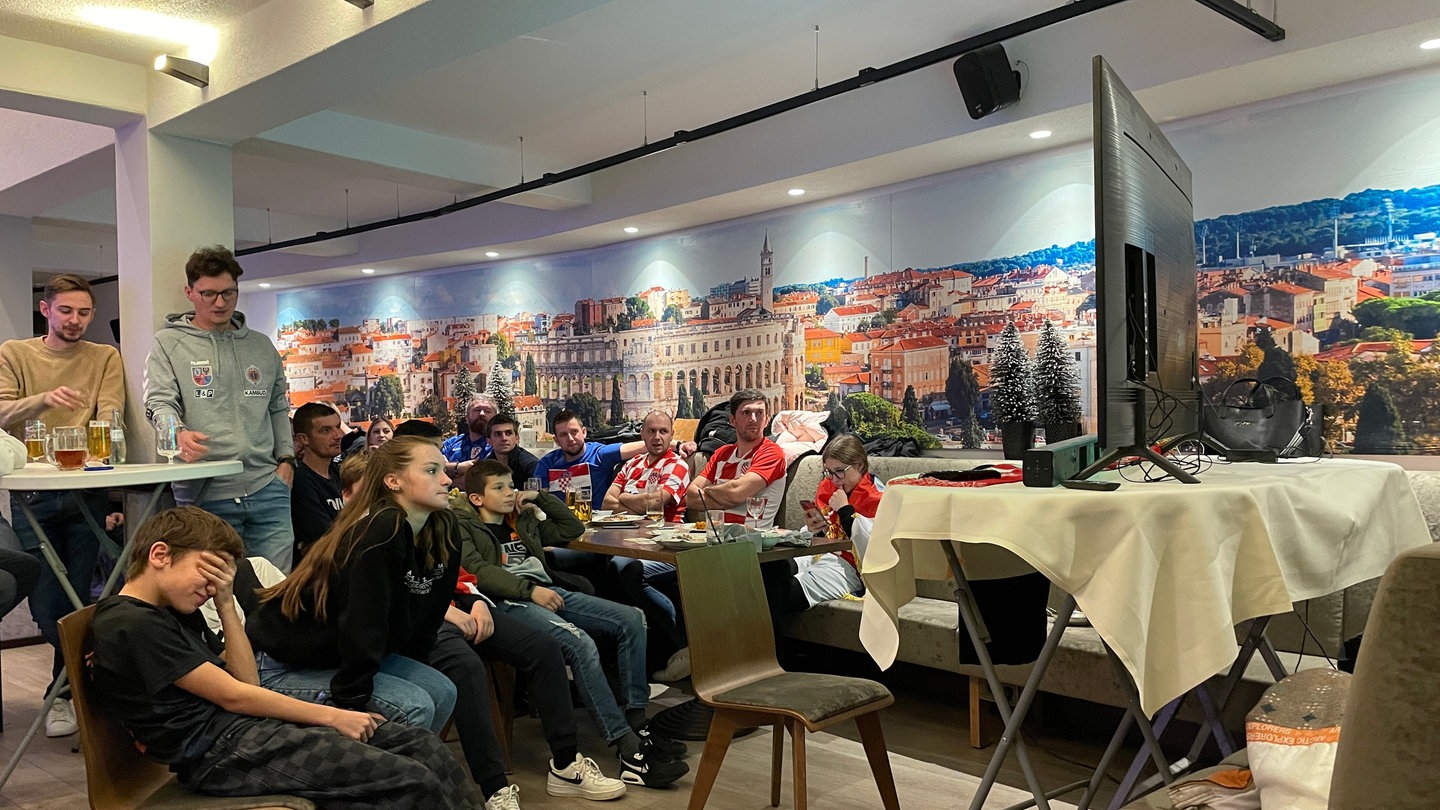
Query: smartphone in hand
[812,513]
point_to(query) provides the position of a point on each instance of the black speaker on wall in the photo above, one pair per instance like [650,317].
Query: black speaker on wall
[986,80]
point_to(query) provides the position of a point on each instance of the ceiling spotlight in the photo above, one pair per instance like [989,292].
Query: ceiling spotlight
[631,229]
[796,192]
[1431,44]
[1041,134]
[367,270]
[183,69]
[490,254]
[264,285]
[361,3]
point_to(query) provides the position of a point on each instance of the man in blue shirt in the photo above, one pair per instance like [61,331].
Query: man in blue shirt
[589,464]
[472,442]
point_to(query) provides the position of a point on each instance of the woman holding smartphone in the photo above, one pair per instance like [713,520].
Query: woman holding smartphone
[845,503]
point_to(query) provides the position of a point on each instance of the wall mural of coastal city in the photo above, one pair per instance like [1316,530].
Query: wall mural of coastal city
[894,303]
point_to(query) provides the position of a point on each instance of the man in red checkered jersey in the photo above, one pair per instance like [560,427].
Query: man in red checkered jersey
[660,469]
[754,466]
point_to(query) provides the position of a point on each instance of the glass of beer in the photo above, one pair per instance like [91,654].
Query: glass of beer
[68,445]
[35,440]
[582,504]
[97,440]
[655,503]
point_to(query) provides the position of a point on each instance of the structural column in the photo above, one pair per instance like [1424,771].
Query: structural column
[16,264]
[172,195]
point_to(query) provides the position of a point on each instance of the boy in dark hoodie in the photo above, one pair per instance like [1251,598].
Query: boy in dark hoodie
[502,533]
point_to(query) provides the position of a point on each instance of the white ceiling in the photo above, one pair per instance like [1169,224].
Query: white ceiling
[339,116]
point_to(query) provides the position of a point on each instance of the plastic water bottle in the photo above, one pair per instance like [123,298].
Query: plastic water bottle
[117,438]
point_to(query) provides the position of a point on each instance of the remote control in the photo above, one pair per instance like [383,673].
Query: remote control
[1098,486]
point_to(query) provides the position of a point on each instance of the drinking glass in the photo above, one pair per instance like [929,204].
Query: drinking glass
[35,440]
[68,445]
[97,441]
[714,522]
[167,440]
[582,504]
[532,484]
[655,505]
[755,510]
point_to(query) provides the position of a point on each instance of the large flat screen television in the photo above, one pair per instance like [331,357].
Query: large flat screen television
[1146,320]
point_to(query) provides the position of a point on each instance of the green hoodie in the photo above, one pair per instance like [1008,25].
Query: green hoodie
[480,554]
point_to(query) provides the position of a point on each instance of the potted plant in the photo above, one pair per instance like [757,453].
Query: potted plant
[1012,400]
[1057,386]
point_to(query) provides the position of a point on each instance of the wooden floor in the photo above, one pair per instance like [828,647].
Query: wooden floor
[927,724]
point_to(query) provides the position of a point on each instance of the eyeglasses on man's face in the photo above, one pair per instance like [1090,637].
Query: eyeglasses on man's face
[837,474]
[209,296]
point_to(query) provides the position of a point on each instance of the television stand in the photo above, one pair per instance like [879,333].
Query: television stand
[1140,448]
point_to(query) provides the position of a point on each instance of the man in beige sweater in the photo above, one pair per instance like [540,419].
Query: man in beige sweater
[60,379]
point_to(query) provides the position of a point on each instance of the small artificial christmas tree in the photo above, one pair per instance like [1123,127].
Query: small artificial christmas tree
[1012,400]
[501,388]
[462,389]
[1057,385]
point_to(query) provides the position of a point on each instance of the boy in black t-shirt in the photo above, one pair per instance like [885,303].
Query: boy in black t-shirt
[193,702]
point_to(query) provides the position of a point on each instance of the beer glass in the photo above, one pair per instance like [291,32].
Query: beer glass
[35,436]
[98,441]
[68,446]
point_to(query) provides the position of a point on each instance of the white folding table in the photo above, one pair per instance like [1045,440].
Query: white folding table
[35,477]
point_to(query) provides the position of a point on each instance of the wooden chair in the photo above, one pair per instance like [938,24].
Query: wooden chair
[119,777]
[734,671]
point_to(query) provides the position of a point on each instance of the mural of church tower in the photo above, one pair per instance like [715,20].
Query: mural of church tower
[767,278]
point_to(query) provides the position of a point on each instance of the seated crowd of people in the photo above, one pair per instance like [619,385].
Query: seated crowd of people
[417,559]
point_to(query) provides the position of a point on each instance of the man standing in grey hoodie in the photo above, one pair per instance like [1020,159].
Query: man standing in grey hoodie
[225,386]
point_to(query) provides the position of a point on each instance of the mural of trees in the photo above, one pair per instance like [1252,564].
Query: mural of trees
[387,397]
[462,389]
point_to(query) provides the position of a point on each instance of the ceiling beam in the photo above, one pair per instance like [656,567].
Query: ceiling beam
[1247,17]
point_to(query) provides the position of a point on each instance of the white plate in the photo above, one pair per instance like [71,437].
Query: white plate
[619,521]
[678,545]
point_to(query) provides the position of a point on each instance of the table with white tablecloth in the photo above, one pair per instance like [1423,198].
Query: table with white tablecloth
[1163,570]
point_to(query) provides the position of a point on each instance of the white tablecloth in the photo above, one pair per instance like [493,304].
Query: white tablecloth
[1163,570]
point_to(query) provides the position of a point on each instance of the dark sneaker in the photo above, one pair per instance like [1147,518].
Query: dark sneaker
[645,768]
[664,747]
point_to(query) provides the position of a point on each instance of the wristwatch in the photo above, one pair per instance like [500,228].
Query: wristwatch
[286,460]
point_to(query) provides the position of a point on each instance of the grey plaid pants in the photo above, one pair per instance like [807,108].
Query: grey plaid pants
[400,768]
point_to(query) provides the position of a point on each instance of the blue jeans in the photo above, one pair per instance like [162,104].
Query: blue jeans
[640,581]
[262,519]
[582,617]
[73,541]
[406,690]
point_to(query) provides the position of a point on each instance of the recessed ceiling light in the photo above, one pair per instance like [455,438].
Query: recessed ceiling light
[264,285]
[1040,134]
[490,254]
[1431,44]
[631,229]
[367,270]
[796,192]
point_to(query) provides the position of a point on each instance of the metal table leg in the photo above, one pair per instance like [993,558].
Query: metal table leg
[58,566]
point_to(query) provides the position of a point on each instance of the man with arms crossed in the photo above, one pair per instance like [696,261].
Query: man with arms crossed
[472,442]
[654,481]
[61,380]
[752,466]
[225,386]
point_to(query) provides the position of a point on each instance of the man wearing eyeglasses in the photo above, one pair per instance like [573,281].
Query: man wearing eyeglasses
[225,386]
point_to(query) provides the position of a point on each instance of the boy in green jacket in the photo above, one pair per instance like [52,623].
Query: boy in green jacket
[503,533]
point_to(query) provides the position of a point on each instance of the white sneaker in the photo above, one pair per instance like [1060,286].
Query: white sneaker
[584,779]
[60,721]
[506,799]
[677,668]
